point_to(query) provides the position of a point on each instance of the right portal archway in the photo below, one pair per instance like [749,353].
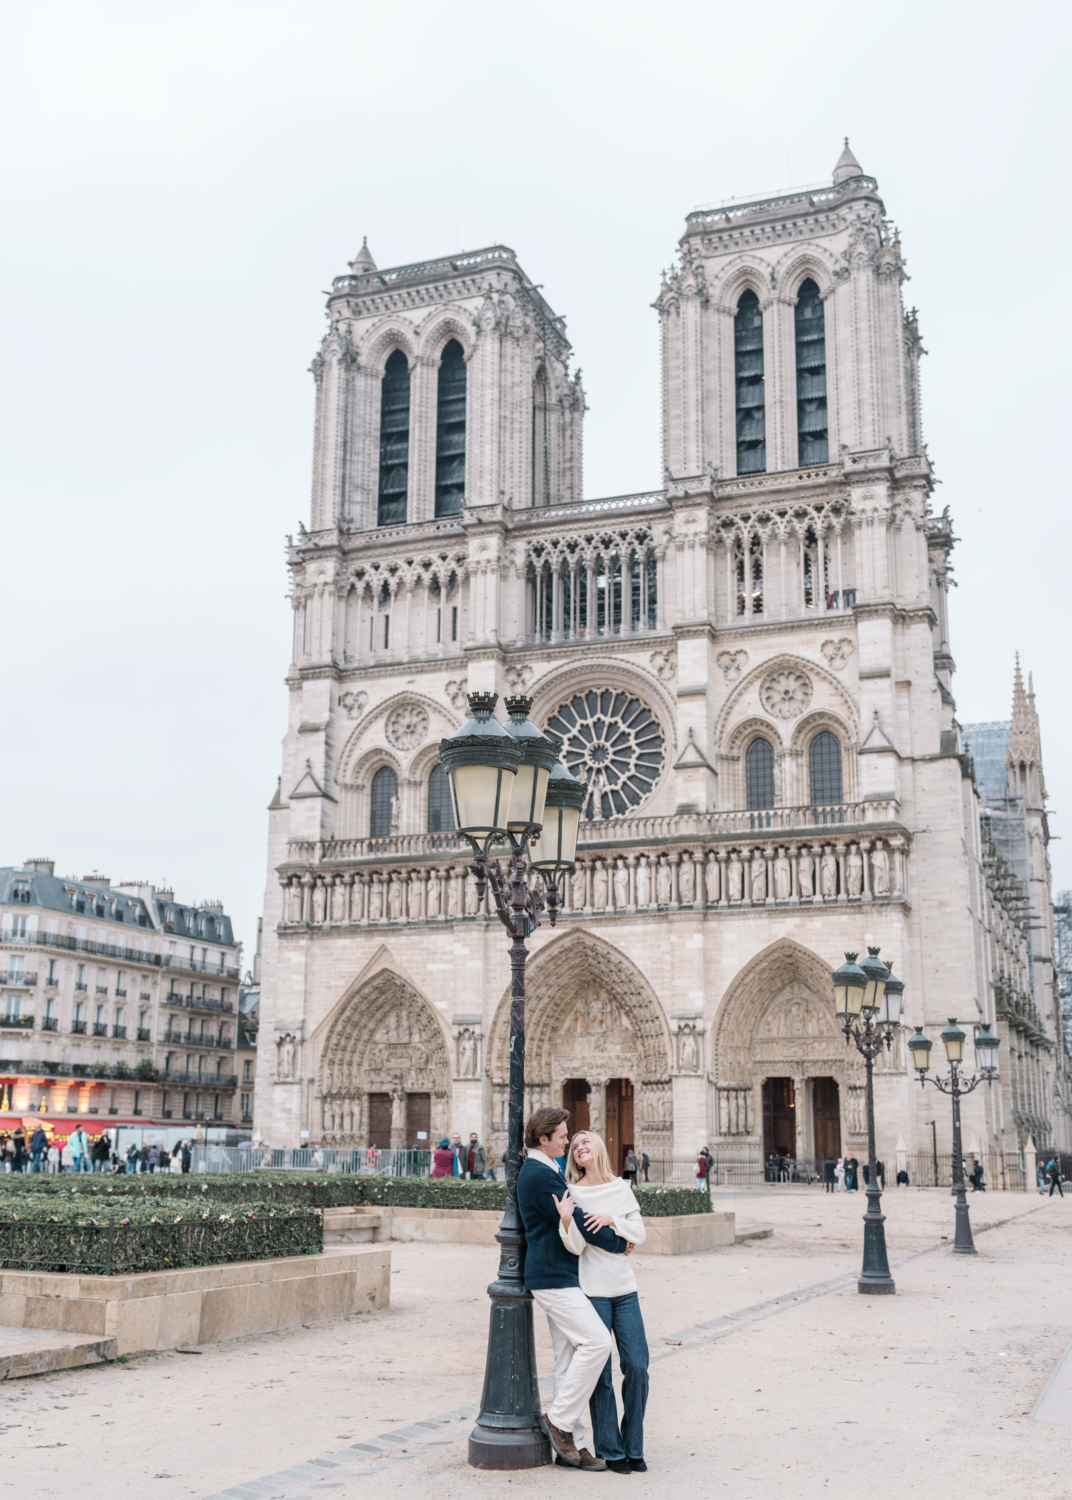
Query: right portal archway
[786,1084]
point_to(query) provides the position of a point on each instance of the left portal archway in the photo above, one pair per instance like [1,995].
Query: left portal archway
[384,1060]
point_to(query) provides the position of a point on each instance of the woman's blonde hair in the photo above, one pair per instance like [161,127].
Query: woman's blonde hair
[575,1173]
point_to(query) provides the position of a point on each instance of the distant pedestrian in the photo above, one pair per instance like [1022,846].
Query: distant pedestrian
[631,1168]
[880,1174]
[1040,1177]
[461,1157]
[175,1165]
[101,1152]
[866,1173]
[703,1168]
[829,1180]
[852,1167]
[52,1157]
[902,1179]
[839,1173]
[187,1155]
[478,1158]
[79,1144]
[645,1163]
[976,1178]
[131,1163]
[1053,1171]
[443,1160]
[143,1158]
[154,1157]
[38,1145]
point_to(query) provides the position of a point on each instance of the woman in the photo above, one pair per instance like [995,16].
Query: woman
[176,1159]
[443,1160]
[608,1282]
[839,1173]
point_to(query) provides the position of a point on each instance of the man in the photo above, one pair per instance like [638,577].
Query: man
[852,1167]
[1053,1171]
[579,1338]
[829,1180]
[645,1163]
[880,1174]
[478,1158]
[79,1144]
[461,1156]
[187,1155]
[38,1145]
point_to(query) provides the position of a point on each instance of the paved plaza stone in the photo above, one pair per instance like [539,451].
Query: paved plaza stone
[771,1376]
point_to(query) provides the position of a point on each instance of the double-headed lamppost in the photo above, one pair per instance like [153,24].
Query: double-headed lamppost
[986,1061]
[508,786]
[870,991]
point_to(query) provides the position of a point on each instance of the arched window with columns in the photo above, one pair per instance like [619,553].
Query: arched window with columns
[824,763]
[450,432]
[748,371]
[394,441]
[383,802]
[812,436]
[440,810]
[759,773]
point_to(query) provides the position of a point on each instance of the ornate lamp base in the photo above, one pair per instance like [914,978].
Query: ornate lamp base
[508,1434]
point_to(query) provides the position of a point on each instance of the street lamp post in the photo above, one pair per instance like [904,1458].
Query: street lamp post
[986,1061]
[507,786]
[868,992]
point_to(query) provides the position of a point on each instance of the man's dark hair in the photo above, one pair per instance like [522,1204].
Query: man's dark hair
[543,1122]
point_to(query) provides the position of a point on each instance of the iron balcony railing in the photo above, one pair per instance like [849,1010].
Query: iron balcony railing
[19,978]
[19,1023]
[50,1023]
[198,1002]
[78,1028]
[129,955]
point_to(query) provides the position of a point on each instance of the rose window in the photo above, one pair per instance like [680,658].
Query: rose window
[614,743]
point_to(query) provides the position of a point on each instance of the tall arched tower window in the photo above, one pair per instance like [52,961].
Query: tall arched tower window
[394,441]
[748,369]
[384,797]
[759,774]
[440,811]
[541,441]
[450,432]
[813,445]
[824,762]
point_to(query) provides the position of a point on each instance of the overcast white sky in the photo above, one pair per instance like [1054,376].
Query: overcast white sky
[180,183]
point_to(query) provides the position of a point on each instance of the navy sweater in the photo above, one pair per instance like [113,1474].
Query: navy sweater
[547,1261]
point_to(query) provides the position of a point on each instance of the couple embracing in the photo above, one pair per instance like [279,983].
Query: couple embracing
[579,1232]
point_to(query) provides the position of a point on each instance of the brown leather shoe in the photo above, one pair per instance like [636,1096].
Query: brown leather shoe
[590,1461]
[563,1444]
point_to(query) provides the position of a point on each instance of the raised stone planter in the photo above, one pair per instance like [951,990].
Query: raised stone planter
[167,1309]
[683,1234]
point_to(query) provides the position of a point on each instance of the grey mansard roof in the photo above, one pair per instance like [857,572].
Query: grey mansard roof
[105,904]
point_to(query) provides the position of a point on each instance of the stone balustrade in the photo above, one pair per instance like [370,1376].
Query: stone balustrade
[828,866]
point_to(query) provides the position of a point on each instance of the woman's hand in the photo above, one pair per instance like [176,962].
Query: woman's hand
[595,1222]
[565,1206]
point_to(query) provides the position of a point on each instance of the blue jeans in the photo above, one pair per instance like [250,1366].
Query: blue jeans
[623,1317]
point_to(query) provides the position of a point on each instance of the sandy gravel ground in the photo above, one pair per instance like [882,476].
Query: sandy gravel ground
[770,1377]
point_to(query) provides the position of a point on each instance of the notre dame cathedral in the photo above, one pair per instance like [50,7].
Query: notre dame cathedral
[750,668]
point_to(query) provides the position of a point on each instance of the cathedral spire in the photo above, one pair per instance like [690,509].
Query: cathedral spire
[363,260]
[1024,754]
[847,165]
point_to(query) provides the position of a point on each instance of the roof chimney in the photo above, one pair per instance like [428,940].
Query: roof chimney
[41,866]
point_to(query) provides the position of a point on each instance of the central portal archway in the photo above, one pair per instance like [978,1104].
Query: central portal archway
[596,1043]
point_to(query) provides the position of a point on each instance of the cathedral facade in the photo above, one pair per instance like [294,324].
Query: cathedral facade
[749,668]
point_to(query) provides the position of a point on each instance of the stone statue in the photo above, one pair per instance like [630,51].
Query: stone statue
[600,887]
[319,903]
[880,871]
[662,882]
[689,1052]
[472,901]
[467,1054]
[736,877]
[375,903]
[286,1056]
[828,872]
[454,892]
[711,881]
[854,870]
[416,896]
[621,885]
[782,877]
[338,900]
[759,878]
[394,897]
[432,903]
[576,898]
[643,882]
[687,880]
[395,806]
[294,902]
[805,874]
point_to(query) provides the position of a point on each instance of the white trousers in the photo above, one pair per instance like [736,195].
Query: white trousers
[581,1343]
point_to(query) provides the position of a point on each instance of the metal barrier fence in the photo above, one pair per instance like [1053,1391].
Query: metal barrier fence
[363,1163]
[1002,1171]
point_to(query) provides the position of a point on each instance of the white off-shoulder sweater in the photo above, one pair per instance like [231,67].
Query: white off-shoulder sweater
[603,1273]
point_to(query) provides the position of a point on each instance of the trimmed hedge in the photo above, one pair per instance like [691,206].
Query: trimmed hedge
[129,1235]
[337,1191]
